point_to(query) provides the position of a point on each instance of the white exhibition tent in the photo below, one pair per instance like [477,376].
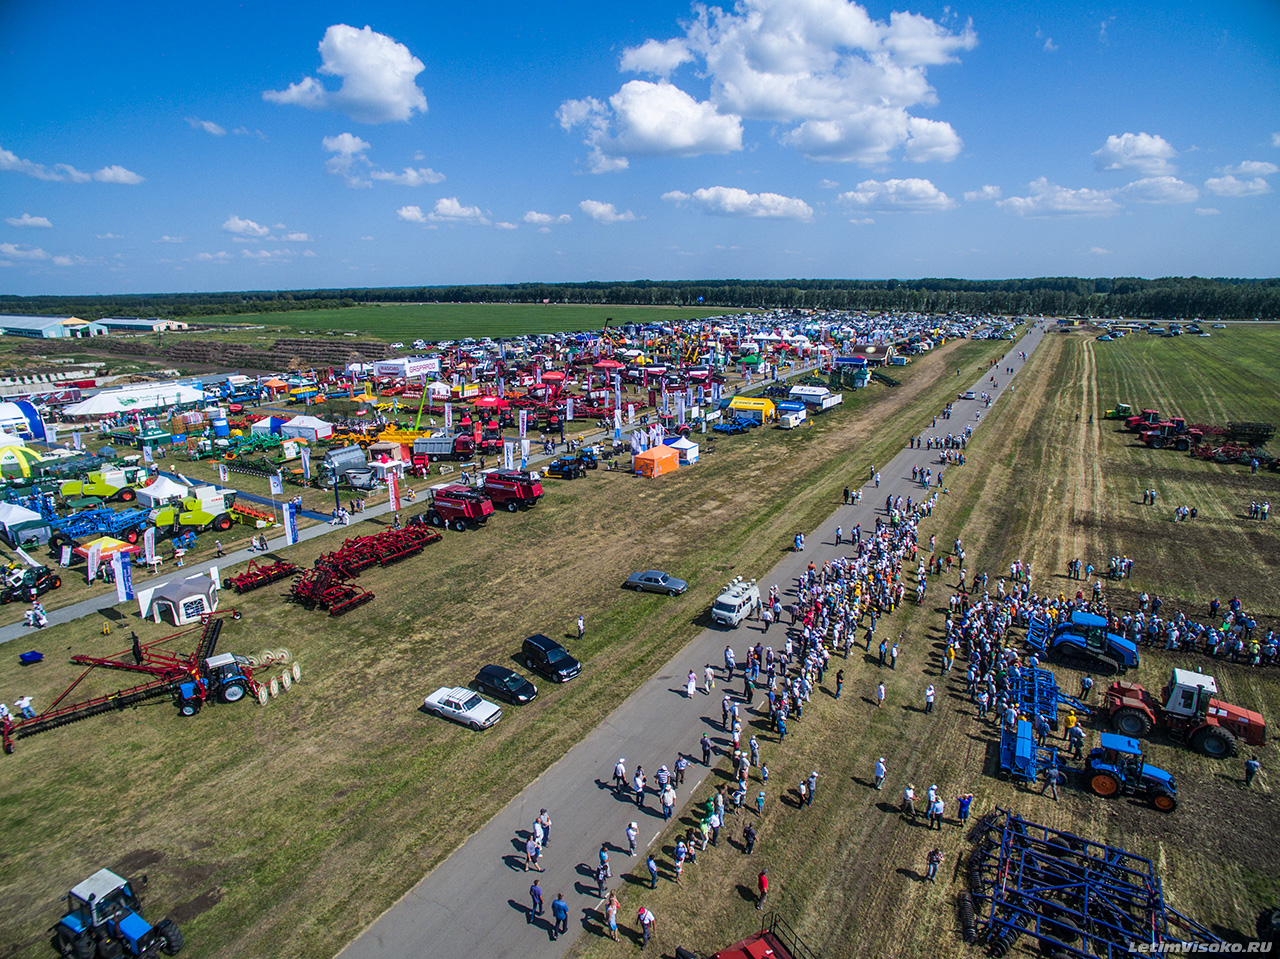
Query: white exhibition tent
[308,428]
[11,514]
[139,397]
[160,492]
[12,418]
[687,450]
[9,439]
[438,388]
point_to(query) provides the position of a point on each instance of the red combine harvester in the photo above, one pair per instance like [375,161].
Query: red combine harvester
[192,680]
[513,488]
[458,507]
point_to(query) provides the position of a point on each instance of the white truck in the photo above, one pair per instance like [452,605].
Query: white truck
[737,601]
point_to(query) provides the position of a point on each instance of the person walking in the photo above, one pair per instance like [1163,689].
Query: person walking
[682,763]
[535,894]
[652,865]
[708,679]
[706,750]
[1252,767]
[611,915]
[544,821]
[582,627]
[839,681]
[881,770]
[531,853]
[633,830]
[647,925]
[637,784]
[928,698]
[620,775]
[560,913]
[217,544]
[748,839]
[933,861]
[1052,776]
[762,884]
[879,695]
[691,684]
[936,810]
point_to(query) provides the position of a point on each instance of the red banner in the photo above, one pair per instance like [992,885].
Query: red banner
[393,485]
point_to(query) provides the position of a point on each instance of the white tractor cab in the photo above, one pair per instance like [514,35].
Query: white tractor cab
[737,601]
[104,918]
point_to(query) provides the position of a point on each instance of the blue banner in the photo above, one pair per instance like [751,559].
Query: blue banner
[290,523]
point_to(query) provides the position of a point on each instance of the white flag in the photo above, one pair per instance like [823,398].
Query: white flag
[277,485]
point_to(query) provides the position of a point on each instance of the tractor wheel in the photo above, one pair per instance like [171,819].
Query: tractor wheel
[222,522]
[131,536]
[296,670]
[1183,446]
[1104,784]
[1164,800]
[233,692]
[460,525]
[512,506]
[6,597]
[84,947]
[530,503]
[435,518]
[189,707]
[172,936]
[110,949]
[1157,443]
[1131,722]
[127,495]
[1215,742]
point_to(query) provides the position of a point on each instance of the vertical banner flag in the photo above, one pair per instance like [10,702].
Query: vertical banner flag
[76,441]
[66,557]
[50,434]
[635,442]
[631,412]
[509,455]
[524,423]
[393,487]
[680,409]
[290,523]
[617,391]
[306,463]
[123,563]
[568,408]
[617,425]
[448,417]
[93,559]
[222,472]
[715,392]
[277,484]
[146,455]
[149,544]
[688,396]
[502,386]
[524,454]
[702,394]
[537,374]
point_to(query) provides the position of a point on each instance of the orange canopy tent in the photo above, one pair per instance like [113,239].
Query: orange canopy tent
[656,461]
[108,547]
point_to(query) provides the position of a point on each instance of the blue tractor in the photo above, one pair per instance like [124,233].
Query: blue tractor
[1116,768]
[104,921]
[1084,643]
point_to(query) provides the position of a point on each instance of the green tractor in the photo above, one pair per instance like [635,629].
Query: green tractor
[206,508]
[1122,411]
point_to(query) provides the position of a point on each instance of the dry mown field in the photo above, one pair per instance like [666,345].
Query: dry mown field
[1043,487]
[282,831]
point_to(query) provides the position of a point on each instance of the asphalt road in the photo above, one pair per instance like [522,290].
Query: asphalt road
[476,901]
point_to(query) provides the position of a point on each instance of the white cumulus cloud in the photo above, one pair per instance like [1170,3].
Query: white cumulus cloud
[222,256]
[840,84]
[985,193]
[546,219]
[411,214]
[1049,199]
[449,210]
[1145,152]
[245,228]
[409,176]
[911,193]
[208,126]
[64,260]
[1099,251]
[378,78]
[504,225]
[117,174]
[1232,186]
[17,251]
[649,119]
[605,212]
[296,238]
[28,220]
[166,238]
[659,57]
[350,162]
[1250,168]
[1160,189]
[65,172]
[732,201]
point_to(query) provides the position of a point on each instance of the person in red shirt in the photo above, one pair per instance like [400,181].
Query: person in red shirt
[763,883]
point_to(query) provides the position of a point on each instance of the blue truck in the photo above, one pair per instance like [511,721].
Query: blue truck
[104,920]
[1084,643]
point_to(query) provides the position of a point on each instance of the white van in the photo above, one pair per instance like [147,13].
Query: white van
[737,601]
[789,421]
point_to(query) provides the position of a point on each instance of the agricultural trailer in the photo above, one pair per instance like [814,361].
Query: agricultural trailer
[1188,712]
[1020,758]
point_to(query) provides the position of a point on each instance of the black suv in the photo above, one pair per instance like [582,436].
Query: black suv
[548,657]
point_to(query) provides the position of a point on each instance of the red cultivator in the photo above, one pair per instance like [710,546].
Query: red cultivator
[256,576]
[329,589]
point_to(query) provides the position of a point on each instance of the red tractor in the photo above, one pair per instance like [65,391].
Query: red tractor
[459,507]
[513,488]
[1188,711]
[1172,434]
[1136,424]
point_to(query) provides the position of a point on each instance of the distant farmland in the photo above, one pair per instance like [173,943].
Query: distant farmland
[437,321]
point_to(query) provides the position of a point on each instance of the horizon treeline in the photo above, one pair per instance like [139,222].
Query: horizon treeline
[1164,298]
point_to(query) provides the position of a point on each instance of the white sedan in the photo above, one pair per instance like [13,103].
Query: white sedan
[463,706]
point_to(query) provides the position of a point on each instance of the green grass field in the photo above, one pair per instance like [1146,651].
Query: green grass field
[284,830]
[445,321]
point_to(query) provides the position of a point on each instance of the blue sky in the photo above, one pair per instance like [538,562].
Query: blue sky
[290,145]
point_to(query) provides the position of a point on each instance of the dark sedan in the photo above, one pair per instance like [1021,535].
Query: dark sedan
[655,581]
[502,683]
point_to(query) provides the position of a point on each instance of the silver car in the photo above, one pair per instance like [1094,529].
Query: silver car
[655,581]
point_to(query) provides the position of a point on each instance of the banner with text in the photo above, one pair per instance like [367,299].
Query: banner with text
[92,561]
[393,487]
[290,523]
[509,455]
